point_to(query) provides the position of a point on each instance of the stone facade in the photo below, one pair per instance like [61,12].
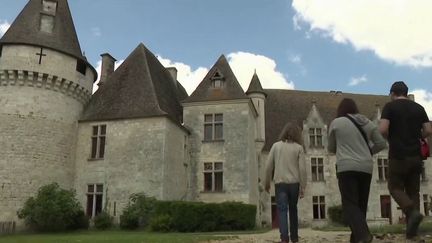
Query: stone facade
[41,104]
[236,151]
[141,156]
[51,131]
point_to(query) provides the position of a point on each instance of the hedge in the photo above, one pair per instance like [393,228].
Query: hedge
[182,216]
[336,214]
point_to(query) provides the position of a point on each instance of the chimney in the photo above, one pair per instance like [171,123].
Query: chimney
[411,97]
[108,63]
[173,73]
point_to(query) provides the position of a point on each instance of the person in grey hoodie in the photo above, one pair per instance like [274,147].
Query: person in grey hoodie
[287,167]
[354,139]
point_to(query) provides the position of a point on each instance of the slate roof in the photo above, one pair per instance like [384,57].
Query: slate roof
[140,87]
[26,30]
[255,86]
[284,106]
[231,89]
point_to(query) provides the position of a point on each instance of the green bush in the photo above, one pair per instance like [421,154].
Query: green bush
[161,223]
[103,221]
[336,214]
[206,217]
[52,210]
[138,212]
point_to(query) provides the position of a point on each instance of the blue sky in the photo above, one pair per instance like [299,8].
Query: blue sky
[301,44]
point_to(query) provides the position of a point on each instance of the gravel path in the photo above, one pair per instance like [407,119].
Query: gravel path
[313,236]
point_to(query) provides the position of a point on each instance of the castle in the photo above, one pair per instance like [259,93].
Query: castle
[141,131]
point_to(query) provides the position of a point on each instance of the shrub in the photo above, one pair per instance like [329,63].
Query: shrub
[103,221]
[336,214]
[138,212]
[205,217]
[161,223]
[53,209]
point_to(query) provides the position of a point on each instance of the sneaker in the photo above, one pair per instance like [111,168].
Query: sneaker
[413,223]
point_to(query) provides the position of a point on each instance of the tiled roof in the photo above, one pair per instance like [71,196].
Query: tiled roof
[140,87]
[230,89]
[284,106]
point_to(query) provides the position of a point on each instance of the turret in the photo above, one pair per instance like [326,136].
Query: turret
[258,97]
[45,81]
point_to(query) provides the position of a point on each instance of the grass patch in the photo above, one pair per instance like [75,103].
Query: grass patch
[112,237]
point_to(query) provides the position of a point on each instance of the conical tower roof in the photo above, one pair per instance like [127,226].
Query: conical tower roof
[230,89]
[141,87]
[255,86]
[26,29]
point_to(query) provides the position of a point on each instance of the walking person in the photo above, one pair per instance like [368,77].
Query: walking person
[354,139]
[404,123]
[286,166]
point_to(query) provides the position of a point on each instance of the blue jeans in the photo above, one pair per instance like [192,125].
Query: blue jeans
[286,199]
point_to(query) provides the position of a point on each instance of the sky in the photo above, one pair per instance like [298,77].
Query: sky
[343,45]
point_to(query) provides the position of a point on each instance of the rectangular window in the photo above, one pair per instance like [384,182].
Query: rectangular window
[382,169]
[213,127]
[98,140]
[213,177]
[385,202]
[94,199]
[319,207]
[1,50]
[81,67]
[317,166]
[315,137]
[426,204]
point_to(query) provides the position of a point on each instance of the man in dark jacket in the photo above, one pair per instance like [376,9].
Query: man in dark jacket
[404,123]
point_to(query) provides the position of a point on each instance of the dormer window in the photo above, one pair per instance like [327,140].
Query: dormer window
[46,23]
[315,137]
[217,80]
[49,7]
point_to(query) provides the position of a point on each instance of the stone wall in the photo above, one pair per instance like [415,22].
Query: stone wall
[236,151]
[40,105]
[141,156]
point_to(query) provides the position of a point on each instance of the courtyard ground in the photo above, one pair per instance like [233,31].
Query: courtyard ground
[317,236]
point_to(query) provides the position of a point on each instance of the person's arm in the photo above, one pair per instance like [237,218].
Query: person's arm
[384,125]
[427,129]
[268,176]
[303,172]
[331,146]
[379,143]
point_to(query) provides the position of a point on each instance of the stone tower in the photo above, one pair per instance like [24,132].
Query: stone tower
[45,81]
[258,96]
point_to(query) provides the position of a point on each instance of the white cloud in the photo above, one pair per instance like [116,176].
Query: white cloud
[397,31]
[296,59]
[96,31]
[99,68]
[243,65]
[424,98]
[186,76]
[358,80]
[4,26]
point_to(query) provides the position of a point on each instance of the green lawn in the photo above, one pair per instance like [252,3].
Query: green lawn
[110,237]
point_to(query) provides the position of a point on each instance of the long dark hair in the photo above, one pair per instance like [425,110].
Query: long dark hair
[291,133]
[347,106]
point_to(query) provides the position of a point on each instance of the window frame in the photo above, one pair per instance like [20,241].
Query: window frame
[316,164]
[94,194]
[315,136]
[213,171]
[321,207]
[383,169]
[213,123]
[100,150]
